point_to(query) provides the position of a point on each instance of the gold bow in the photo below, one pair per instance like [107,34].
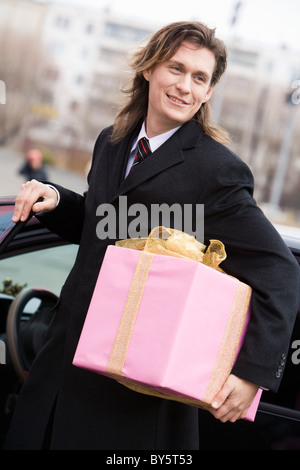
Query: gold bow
[172,242]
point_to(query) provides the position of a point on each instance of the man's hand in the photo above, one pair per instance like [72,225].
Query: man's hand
[234,399]
[27,197]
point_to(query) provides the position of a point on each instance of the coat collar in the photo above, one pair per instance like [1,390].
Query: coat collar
[168,154]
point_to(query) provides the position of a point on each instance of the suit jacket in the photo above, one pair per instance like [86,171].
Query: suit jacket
[93,412]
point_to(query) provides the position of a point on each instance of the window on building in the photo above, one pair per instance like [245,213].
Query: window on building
[89,28]
[62,22]
[127,33]
[79,79]
[110,56]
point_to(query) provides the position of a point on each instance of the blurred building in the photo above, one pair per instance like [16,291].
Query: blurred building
[21,26]
[24,15]
[81,85]
[254,102]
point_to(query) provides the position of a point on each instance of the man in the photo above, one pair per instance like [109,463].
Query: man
[63,407]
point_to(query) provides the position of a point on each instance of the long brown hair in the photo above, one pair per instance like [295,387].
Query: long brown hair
[161,47]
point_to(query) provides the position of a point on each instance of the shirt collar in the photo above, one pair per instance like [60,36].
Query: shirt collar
[156,141]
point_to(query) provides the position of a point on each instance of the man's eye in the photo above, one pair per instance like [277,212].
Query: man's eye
[175,68]
[199,78]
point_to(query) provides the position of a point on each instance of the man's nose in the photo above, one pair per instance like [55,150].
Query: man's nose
[184,84]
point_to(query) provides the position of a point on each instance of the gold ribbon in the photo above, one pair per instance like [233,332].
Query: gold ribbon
[119,350]
[172,242]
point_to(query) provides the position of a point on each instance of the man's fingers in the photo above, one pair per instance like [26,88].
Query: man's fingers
[221,397]
[229,412]
[233,400]
[33,196]
[22,205]
[27,196]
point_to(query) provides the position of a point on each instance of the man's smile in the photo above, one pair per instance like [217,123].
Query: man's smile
[176,100]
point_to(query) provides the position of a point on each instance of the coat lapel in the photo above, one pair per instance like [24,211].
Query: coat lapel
[169,154]
[117,161]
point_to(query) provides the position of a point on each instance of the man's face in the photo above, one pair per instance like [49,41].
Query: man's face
[178,87]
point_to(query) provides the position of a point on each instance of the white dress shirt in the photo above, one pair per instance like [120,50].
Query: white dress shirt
[154,143]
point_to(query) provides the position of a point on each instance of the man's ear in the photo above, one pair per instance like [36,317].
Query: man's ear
[146,74]
[208,94]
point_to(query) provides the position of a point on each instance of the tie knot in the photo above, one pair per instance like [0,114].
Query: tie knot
[143,151]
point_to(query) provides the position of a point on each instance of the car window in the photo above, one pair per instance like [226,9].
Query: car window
[5,219]
[47,268]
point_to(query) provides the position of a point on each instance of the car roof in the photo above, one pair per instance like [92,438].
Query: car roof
[291,235]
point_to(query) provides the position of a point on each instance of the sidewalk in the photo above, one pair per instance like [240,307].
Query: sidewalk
[10,180]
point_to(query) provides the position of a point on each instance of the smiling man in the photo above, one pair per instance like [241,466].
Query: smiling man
[178,87]
[162,149]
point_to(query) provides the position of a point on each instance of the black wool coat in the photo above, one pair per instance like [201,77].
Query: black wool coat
[64,407]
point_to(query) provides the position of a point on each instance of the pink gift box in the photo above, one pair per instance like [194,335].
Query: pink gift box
[164,325]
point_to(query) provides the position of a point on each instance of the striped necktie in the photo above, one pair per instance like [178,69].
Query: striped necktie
[143,151]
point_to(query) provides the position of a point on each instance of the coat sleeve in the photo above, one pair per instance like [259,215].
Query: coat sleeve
[68,217]
[256,255]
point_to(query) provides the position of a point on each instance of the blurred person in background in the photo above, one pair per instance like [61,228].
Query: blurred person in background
[34,167]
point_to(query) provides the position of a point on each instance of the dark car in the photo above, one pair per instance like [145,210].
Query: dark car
[33,267]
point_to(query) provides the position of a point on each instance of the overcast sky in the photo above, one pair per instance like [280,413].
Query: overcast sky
[266,21]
